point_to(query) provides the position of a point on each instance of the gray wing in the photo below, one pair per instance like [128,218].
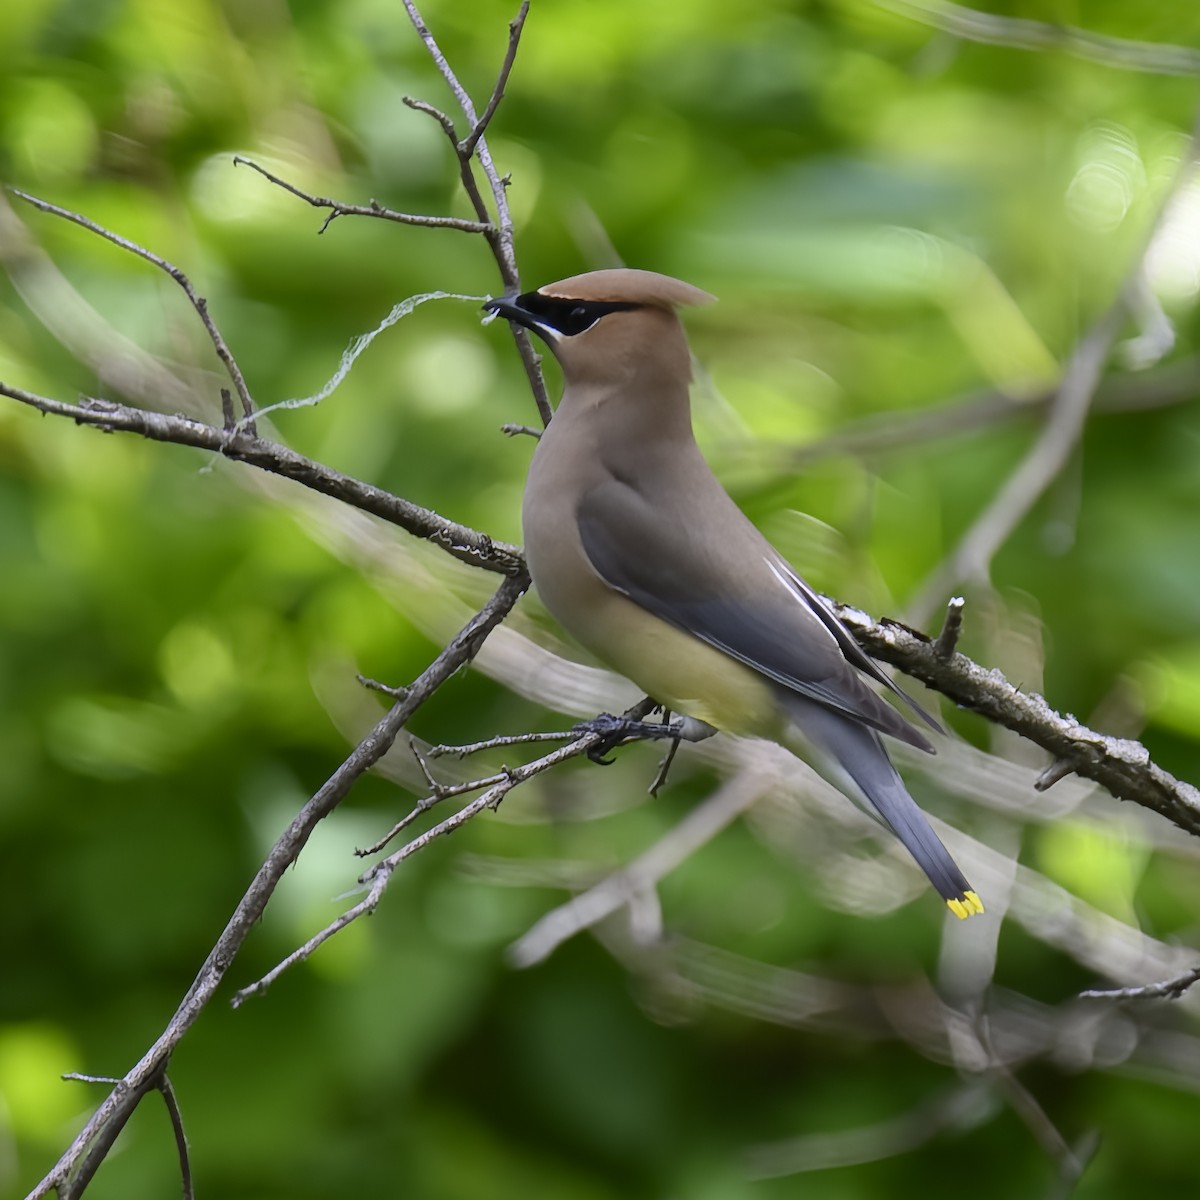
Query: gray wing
[854,653]
[762,615]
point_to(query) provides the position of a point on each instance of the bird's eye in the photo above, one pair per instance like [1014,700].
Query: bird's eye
[579,312]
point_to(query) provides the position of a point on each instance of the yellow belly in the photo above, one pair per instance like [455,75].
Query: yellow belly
[672,667]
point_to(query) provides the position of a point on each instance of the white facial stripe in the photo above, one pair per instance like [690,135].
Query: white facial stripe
[545,331]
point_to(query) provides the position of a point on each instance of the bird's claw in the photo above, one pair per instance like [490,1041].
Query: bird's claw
[615,731]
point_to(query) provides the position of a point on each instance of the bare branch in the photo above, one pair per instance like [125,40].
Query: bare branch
[1166,989]
[480,148]
[513,739]
[475,145]
[506,778]
[396,693]
[197,301]
[108,1120]
[373,209]
[378,876]
[513,430]
[466,174]
[1121,765]
[448,128]
[468,144]
[947,640]
[461,542]
[664,768]
[1155,58]
[181,1142]
[531,360]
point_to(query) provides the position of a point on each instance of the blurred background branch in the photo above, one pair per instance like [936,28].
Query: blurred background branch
[1020,33]
[971,559]
[890,220]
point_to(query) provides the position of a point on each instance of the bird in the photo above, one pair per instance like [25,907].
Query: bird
[637,550]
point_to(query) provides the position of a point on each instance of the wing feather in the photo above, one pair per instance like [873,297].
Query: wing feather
[765,616]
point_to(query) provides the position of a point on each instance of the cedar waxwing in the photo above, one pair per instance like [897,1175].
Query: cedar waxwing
[637,550]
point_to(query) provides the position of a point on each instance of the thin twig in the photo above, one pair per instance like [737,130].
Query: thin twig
[374,209]
[947,640]
[107,1121]
[181,1142]
[510,776]
[197,301]
[664,768]
[466,174]
[435,788]
[1166,989]
[448,128]
[446,791]
[1122,765]
[378,876]
[1156,58]
[468,144]
[480,148]
[387,689]
[511,739]
[475,145]
[1056,772]
[461,542]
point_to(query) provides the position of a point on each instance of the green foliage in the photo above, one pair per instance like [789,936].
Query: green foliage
[892,220]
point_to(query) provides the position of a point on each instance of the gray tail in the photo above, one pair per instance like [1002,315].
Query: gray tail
[859,753]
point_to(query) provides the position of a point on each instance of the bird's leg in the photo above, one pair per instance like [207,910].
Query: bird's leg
[615,731]
[664,767]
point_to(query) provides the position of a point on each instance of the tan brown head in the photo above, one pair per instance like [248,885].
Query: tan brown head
[608,325]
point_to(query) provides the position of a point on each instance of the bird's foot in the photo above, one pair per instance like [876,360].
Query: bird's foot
[616,731]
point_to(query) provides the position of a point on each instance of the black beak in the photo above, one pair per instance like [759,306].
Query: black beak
[510,308]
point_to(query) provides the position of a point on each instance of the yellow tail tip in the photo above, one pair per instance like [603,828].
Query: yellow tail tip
[966,905]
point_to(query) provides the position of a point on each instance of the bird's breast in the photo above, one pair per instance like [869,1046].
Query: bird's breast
[671,666]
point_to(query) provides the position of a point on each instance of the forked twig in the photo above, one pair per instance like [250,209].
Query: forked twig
[194,298]
[339,208]
[78,1164]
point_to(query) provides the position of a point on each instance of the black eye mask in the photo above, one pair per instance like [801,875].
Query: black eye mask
[567,316]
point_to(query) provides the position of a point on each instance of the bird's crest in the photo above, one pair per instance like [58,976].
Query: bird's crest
[629,286]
